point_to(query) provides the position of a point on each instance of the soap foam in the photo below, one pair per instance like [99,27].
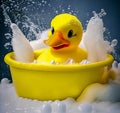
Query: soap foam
[11,103]
[21,46]
[93,40]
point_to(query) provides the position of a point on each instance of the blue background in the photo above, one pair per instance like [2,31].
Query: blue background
[82,8]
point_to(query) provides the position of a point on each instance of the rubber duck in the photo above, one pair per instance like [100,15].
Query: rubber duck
[64,38]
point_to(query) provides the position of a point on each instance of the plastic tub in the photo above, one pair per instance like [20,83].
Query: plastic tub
[51,82]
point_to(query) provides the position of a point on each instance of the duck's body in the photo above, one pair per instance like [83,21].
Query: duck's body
[64,38]
[59,57]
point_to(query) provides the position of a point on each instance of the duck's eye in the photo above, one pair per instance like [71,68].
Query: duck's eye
[52,30]
[70,33]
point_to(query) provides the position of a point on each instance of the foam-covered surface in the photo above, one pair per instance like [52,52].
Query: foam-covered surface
[11,103]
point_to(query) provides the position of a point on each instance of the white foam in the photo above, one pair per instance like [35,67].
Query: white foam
[39,44]
[11,103]
[93,40]
[116,69]
[69,61]
[85,61]
[21,46]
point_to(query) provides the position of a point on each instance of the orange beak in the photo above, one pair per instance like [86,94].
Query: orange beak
[57,41]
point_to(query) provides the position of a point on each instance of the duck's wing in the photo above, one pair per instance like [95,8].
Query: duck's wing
[21,46]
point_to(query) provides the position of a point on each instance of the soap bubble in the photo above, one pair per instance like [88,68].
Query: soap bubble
[84,62]
[85,108]
[5,81]
[52,62]
[69,61]
[8,45]
[114,42]
[115,65]
[61,108]
[46,108]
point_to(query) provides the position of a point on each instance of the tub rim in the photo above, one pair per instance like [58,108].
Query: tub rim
[9,59]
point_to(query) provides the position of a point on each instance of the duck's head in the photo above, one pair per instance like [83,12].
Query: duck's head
[65,34]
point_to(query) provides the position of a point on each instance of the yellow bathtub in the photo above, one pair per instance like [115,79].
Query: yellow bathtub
[51,82]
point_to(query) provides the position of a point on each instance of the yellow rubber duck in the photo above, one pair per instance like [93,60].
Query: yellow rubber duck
[64,38]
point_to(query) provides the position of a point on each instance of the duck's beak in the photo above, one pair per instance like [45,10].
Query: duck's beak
[57,41]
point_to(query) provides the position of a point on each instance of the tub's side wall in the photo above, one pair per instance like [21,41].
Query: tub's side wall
[50,85]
